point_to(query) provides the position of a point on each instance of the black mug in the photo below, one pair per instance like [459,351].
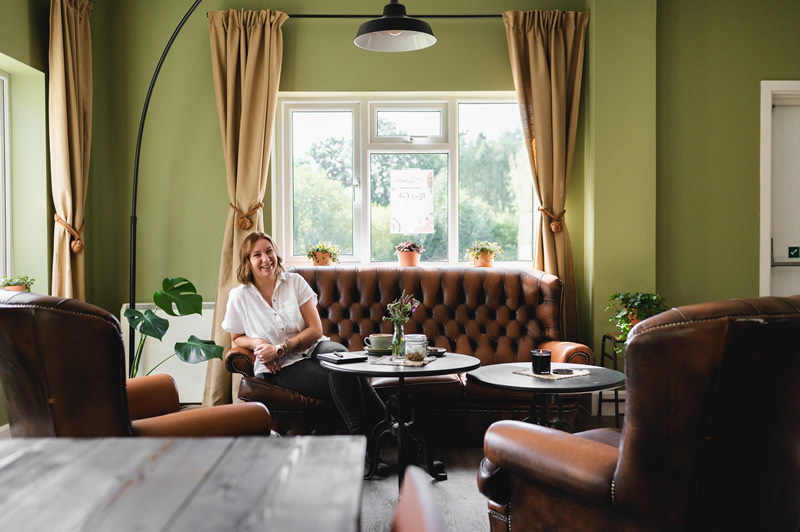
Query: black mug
[540,361]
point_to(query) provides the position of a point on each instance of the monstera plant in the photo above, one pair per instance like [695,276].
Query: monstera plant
[177,297]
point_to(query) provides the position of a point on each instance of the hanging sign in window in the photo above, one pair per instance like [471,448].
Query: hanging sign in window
[412,201]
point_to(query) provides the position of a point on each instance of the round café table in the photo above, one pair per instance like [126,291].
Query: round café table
[399,421]
[544,391]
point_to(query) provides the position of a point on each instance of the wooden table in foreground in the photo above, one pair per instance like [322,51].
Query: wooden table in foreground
[193,484]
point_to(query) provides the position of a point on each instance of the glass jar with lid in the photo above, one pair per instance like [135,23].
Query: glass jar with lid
[416,347]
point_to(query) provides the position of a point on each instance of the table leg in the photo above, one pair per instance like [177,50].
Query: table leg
[412,448]
[540,412]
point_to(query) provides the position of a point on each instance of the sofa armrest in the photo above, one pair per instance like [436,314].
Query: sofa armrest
[553,458]
[240,360]
[240,419]
[568,352]
[152,395]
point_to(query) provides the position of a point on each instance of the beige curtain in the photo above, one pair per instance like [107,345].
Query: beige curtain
[546,51]
[246,54]
[70,119]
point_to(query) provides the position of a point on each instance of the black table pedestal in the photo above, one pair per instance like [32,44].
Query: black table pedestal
[411,445]
[540,412]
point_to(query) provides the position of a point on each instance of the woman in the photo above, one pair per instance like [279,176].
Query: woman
[274,313]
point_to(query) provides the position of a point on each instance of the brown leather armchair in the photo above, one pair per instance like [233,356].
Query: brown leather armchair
[711,438]
[62,369]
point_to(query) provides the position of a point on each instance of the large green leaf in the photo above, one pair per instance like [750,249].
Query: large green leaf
[182,294]
[196,350]
[148,323]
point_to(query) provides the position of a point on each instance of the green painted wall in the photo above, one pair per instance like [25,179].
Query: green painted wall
[620,227]
[182,201]
[712,56]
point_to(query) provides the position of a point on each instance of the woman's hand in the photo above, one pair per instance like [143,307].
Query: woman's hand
[267,354]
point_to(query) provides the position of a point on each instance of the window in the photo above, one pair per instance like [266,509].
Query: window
[370,172]
[5,171]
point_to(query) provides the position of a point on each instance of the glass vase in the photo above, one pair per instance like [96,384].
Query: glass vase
[398,343]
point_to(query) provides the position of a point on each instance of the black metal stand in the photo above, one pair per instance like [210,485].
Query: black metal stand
[132,303]
[411,445]
[604,354]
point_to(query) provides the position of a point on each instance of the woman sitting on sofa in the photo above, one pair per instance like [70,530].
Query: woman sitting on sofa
[274,313]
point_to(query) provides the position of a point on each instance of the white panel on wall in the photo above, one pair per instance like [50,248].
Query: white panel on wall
[191,378]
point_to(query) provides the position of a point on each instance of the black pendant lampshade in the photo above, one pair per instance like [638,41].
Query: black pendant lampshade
[394,31]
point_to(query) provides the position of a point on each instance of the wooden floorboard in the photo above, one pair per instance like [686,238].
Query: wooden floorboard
[462,506]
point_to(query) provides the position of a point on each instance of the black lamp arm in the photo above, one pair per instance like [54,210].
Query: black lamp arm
[132,304]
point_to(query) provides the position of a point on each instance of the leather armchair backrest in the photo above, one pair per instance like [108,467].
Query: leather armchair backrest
[61,368]
[711,438]
[493,314]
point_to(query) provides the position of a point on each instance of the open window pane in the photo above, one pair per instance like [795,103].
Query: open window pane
[495,187]
[322,179]
[418,184]
[409,123]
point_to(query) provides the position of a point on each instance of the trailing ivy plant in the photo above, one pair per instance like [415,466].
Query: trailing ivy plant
[630,308]
[177,297]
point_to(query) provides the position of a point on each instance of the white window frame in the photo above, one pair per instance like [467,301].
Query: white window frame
[365,142]
[5,178]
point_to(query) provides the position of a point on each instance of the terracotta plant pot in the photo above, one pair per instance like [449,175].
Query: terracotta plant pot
[485,260]
[16,288]
[322,259]
[408,258]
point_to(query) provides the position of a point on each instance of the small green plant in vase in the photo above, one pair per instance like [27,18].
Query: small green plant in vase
[177,297]
[484,253]
[20,283]
[323,253]
[630,308]
[398,312]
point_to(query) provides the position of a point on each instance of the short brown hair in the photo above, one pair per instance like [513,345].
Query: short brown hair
[245,273]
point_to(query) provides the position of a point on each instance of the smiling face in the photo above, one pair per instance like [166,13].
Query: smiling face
[259,258]
[263,260]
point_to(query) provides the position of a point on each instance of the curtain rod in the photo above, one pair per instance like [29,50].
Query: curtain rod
[378,16]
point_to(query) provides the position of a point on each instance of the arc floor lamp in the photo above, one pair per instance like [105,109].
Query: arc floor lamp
[393,32]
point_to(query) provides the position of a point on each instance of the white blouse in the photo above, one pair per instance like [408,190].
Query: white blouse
[248,313]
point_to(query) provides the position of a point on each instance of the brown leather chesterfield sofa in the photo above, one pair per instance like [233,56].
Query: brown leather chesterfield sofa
[494,314]
[711,438]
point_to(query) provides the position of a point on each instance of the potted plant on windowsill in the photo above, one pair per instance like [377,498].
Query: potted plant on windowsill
[19,283]
[408,253]
[630,308]
[484,253]
[323,254]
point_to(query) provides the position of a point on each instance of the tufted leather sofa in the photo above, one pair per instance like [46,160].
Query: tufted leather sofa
[494,314]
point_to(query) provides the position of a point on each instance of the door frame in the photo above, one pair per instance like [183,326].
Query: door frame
[772,93]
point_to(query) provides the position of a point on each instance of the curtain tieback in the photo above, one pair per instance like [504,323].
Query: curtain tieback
[243,222]
[77,244]
[555,226]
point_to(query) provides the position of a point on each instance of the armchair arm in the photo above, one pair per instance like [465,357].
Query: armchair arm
[240,360]
[554,458]
[240,419]
[153,395]
[569,352]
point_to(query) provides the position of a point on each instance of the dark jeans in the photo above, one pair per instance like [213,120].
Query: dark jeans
[354,397]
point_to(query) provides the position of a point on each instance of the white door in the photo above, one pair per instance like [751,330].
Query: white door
[780,188]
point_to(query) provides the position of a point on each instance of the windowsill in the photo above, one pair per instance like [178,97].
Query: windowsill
[524,265]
